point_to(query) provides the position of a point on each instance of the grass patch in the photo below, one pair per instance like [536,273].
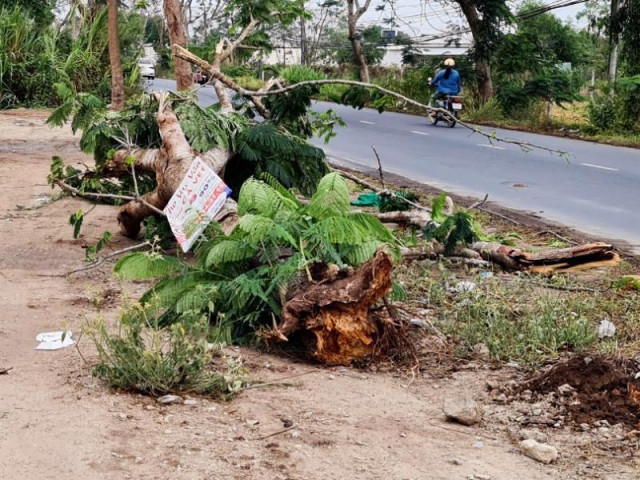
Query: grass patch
[521,318]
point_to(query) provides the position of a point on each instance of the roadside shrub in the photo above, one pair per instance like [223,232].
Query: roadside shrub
[144,358]
[602,112]
[478,111]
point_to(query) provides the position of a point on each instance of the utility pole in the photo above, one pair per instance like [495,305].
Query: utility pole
[614,44]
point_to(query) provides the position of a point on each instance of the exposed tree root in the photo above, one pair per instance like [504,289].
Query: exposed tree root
[337,313]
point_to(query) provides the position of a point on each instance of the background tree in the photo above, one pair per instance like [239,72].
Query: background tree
[540,61]
[354,12]
[117,77]
[485,18]
[41,11]
[370,43]
[177,35]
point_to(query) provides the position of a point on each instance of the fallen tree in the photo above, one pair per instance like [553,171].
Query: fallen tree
[317,266]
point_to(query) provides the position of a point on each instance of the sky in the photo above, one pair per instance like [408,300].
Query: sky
[432,17]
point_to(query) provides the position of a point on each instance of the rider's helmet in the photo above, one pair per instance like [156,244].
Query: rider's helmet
[449,62]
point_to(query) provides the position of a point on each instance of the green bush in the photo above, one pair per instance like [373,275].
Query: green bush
[602,112]
[478,111]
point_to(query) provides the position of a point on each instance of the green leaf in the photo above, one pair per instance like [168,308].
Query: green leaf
[330,199]
[140,266]
[437,207]
[76,220]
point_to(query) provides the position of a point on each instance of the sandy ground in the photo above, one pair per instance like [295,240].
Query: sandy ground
[58,422]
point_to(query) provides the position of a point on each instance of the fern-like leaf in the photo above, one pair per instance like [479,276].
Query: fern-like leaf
[140,266]
[230,251]
[330,199]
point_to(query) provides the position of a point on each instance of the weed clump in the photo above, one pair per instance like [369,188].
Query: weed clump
[154,360]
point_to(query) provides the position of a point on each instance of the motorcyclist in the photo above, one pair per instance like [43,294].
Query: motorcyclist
[446,81]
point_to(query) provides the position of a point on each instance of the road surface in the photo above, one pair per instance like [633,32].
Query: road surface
[596,191]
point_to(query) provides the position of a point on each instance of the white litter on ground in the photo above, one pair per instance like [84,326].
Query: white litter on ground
[54,340]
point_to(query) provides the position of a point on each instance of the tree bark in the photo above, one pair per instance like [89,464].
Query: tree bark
[482,67]
[177,36]
[354,13]
[117,77]
[170,163]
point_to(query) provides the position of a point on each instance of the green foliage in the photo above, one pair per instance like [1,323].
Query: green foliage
[242,279]
[528,63]
[627,283]
[34,56]
[371,40]
[602,112]
[139,267]
[92,250]
[290,160]
[206,128]
[396,204]
[450,230]
[75,220]
[178,359]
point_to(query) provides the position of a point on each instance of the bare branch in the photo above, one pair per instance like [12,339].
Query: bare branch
[102,259]
[235,43]
[74,191]
[428,108]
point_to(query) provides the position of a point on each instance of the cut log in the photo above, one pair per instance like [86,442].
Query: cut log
[580,257]
[336,314]
[415,217]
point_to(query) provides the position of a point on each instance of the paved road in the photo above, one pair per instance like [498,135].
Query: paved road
[597,191]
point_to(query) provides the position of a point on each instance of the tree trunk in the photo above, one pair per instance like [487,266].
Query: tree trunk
[175,25]
[483,77]
[335,312]
[360,57]
[303,42]
[483,70]
[117,77]
[354,15]
[170,164]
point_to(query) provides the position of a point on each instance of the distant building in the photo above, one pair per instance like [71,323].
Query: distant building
[393,54]
[290,55]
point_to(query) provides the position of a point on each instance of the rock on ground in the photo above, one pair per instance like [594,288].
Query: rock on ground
[462,410]
[541,452]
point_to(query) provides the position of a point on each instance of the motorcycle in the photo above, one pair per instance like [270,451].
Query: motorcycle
[453,105]
[450,103]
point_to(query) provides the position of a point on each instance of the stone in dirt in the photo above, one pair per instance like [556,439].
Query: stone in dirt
[462,410]
[540,452]
[169,399]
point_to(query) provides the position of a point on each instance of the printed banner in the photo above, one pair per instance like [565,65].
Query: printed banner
[197,200]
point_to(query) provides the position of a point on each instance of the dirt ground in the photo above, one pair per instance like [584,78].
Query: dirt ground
[58,422]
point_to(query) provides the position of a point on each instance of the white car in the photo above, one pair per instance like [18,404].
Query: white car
[147,68]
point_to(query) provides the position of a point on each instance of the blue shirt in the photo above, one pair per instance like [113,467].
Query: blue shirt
[448,86]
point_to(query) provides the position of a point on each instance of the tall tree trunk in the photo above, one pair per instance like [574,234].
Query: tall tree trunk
[354,12]
[483,77]
[483,69]
[117,77]
[175,25]
[614,46]
[303,42]
[358,51]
